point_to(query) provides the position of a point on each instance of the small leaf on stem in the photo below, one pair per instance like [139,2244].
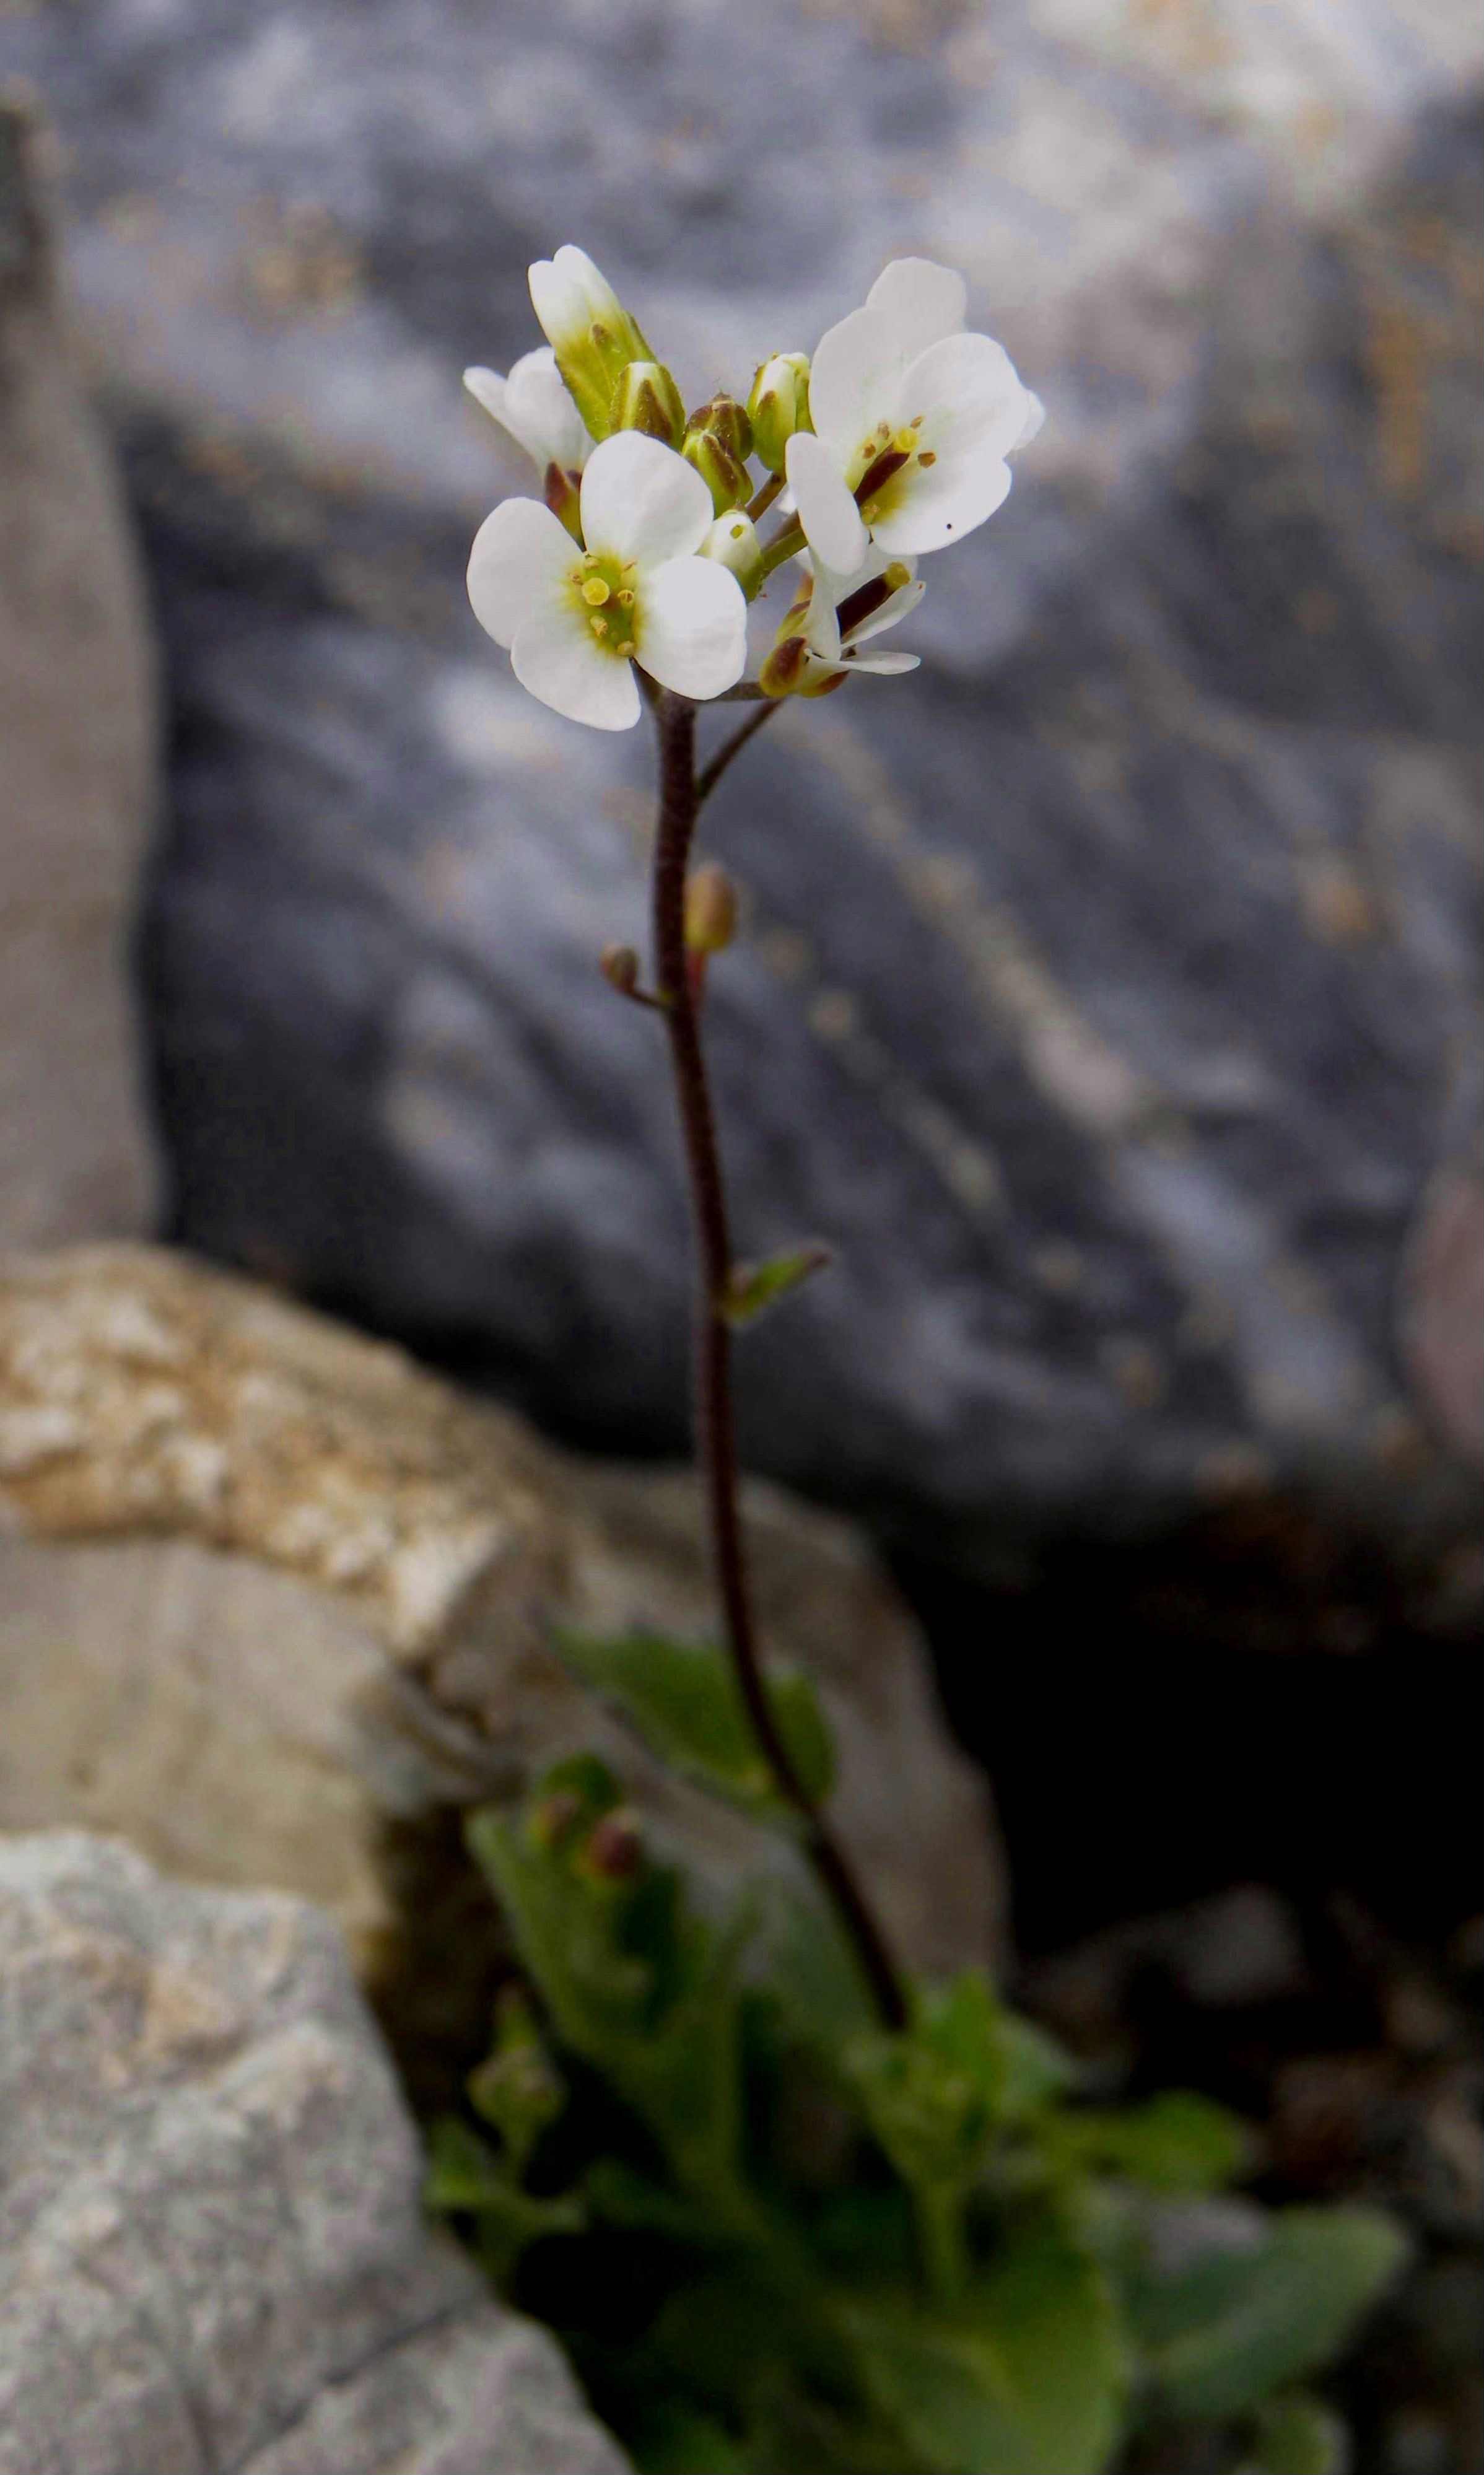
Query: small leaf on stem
[753,1288]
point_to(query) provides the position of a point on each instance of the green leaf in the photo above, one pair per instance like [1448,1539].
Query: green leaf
[754,1288]
[1298,2435]
[1176,2142]
[638,1984]
[516,2089]
[1231,2326]
[463,2176]
[683,1699]
[1027,2378]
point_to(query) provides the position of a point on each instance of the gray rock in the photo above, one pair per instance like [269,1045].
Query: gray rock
[275,1605]
[211,2249]
[79,786]
[1112,995]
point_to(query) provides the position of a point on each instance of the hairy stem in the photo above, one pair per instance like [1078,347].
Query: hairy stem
[715,1434]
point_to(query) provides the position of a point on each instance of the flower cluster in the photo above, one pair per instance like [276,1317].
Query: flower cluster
[644,549]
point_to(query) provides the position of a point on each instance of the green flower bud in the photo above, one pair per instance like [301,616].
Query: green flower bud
[724,476]
[724,418]
[647,398]
[733,542]
[588,328]
[779,405]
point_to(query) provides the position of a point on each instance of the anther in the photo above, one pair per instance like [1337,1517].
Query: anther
[625,598]
[599,627]
[927,456]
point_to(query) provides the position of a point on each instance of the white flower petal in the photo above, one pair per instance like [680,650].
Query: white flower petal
[853,379]
[821,624]
[488,389]
[692,634]
[1036,415]
[641,500]
[884,665]
[519,556]
[943,505]
[568,293]
[556,656]
[967,388]
[542,415]
[922,302]
[826,510]
[891,613]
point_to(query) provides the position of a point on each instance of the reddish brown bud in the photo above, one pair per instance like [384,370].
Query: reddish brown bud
[615,1849]
[620,967]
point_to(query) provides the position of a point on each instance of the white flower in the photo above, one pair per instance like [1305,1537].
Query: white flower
[592,333]
[575,621]
[844,612]
[923,414]
[533,404]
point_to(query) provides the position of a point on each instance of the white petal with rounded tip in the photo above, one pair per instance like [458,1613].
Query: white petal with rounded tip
[901,605]
[968,386]
[575,267]
[1036,415]
[693,635]
[922,300]
[826,510]
[556,657]
[488,389]
[641,500]
[944,505]
[519,556]
[884,665]
[852,381]
[542,414]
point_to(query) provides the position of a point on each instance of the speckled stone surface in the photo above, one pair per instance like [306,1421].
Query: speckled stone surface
[212,2252]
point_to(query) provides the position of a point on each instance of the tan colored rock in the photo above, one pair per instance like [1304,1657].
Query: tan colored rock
[78,779]
[275,1603]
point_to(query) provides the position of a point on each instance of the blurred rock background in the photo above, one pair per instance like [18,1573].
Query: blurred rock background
[1112,998]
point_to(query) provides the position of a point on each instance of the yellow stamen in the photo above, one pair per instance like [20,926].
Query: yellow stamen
[599,627]
[626,648]
[595,592]
[927,456]
[625,598]
[870,512]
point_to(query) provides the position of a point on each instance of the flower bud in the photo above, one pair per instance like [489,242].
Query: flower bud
[620,967]
[647,398]
[779,405]
[733,542]
[783,673]
[710,911]
[553,1821]
[718,468]
[615,1850]
[588,328]
[724,418]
